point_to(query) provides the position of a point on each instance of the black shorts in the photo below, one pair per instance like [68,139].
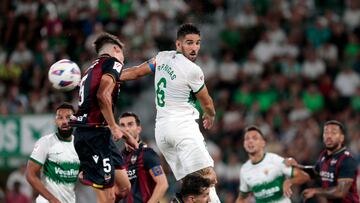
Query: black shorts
[99,157]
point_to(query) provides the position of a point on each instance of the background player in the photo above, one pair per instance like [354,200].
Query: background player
[95,122]
[148,180]
[56,156]
[336,166]
[178,83]
[265,175]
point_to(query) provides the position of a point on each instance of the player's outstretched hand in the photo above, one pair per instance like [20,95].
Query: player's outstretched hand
[208,121]
[130,140]
[287,188]
[116,132]
[291,162]
[309,193]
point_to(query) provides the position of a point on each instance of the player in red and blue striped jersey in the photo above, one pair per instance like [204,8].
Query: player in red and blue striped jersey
[96,124]
[148,181]
[336,167]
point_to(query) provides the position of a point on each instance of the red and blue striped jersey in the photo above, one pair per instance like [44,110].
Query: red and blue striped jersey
[340,165]
[139,164]
[89,113]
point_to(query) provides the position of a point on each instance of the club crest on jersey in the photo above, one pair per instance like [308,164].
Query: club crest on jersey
[133,159]
[266,171]
[117,66]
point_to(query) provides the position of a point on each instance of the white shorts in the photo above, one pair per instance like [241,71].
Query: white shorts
[183,146]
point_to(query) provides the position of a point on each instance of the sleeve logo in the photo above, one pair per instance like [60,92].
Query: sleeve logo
[117,66]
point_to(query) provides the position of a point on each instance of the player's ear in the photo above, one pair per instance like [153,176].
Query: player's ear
[139,129]
[178,44]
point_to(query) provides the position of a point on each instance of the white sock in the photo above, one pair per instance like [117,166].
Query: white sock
[213,196]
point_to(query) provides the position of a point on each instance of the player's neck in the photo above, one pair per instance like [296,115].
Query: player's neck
[334,151]
[257,157]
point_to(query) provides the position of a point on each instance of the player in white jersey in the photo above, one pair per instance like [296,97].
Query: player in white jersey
[265,175]
[178,83]
[55,156]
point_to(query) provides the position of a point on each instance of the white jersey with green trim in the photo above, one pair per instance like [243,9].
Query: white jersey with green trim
[60,166]
[177,79]
[265,179]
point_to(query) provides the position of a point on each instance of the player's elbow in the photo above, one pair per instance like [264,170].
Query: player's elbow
[124,191]
[102,97]
[164,186]
[29,176]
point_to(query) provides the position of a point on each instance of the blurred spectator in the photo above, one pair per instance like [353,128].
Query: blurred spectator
[347,82]
[251,67]
[313,67]
[318,33]
[290,67]
[230,36]
[247,18]
[17,184]
[208,65]
[16,195]
[228,70]
[21,55]
[265,50]
[352,47]
[276,33]
[352,14]
[313,99]
[328,52]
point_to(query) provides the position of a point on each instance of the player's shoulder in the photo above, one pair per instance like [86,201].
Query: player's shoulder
[348,155]
[246,166]
[272,156]
[166,54]
[48,137]
[149,150]
[47,140]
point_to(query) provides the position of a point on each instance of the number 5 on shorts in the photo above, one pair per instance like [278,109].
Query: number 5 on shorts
[107,166]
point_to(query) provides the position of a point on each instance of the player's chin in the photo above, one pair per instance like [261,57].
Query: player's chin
[193,57]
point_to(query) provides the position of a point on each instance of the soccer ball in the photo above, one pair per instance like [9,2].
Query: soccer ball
[64,75]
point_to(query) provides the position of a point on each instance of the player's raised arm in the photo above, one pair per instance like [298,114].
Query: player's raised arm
[207,106]
[136,72]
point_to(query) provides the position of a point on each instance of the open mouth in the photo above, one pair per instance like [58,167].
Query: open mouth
[65,127]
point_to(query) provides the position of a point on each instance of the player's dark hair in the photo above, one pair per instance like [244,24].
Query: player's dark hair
[335,122]
[254,128]
[106,38]
[65,105]
[186,29]
[131,114]
[194,185]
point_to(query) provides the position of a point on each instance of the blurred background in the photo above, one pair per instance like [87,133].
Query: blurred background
[284,65]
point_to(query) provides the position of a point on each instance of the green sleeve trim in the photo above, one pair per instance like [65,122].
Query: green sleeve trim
[292,171]
[36,161]
[202,86]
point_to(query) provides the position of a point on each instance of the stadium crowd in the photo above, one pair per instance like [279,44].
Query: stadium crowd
[284,65]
